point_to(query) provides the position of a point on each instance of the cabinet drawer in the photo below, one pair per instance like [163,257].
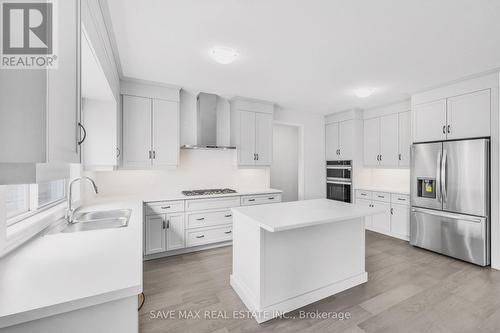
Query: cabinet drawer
[362,194]
[201,236]
[215,203]
[249,200]
[401,199]
[164,207]
[381,196]
[208,218]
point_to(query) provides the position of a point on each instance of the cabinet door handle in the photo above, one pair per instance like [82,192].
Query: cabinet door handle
[444,129]
[449,129]
[84,134]
[163,224]
[165,207]
[228,215]
[118,152]
[228,232]
[392,211]
[399,157]
[200,219]
[381,157]
[201,236]
[150,154]
[257,156]
[168,224]
[254,157]
[154,154]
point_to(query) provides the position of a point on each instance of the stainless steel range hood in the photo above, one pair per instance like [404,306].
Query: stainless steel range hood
[212,123]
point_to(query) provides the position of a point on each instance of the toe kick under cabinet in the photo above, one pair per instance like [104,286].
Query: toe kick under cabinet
[180,226]
[395,221]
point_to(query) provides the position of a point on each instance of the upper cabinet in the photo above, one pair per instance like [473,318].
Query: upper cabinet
[252,131]
[387,140]
[39,131]
[340,140]
[151,135]
[458,111]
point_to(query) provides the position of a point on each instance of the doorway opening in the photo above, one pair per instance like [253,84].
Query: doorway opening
[287,166]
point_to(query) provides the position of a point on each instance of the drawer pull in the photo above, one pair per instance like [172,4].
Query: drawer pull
[200,219]
[381,196]
[201,236]
[229,215]
[401,199]
[270,198]
[228,232]
[251,199]
[364,194]
[165,207]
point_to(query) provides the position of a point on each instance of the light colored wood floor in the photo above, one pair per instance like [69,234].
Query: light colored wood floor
[408,290]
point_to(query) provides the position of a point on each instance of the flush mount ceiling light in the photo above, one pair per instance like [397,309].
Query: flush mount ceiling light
[223,55]
[364,92]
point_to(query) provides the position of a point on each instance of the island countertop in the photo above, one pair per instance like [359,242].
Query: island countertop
[299,214]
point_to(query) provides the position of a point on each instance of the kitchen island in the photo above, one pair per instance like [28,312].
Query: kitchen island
[287,255]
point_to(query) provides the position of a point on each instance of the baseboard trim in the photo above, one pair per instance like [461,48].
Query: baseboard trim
[275,310]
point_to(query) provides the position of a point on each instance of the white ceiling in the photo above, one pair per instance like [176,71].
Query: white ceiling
[308,55]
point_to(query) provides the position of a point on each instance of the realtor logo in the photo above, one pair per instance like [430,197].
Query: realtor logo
[27,34]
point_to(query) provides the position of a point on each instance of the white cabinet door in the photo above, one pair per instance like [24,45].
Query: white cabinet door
[63,83]
[346,140]
[332,141]
[389,140]
[429,121]
[136,131]
[175,231]
[469,115]
[166,141]
[371,141]
[366,203]
[155,234]
[246,147]
[264,138]
[400,220]
[404,136]
[382,222]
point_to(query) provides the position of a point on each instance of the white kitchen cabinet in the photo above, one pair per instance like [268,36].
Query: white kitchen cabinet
[389,140]
[154,234]
[382,221]
[332,136]
[371,142]
[175,231]
[136,132]
[340,140]
[252,131]
[404,138]
[366,203]
[468,115]
[400,220]
[429,121]
[166,133]
[263,138]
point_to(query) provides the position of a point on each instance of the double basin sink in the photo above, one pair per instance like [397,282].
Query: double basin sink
[96,220]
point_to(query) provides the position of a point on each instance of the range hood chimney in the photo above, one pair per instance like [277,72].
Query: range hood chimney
[212,122]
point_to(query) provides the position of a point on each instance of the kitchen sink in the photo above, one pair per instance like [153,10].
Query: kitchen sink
[95,220]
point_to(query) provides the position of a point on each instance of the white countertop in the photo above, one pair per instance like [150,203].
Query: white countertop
[61,272]
[57,273]
[299,214]
[384,189]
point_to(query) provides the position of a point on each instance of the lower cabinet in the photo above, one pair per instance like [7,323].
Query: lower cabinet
[395,221]
[184,224]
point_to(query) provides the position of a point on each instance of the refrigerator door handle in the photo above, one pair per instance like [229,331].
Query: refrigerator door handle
[448,215]
[438,177]
[443,176]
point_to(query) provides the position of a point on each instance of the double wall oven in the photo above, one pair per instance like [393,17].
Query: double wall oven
[339,181]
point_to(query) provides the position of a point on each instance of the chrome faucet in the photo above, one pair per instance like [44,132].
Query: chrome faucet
[70,212]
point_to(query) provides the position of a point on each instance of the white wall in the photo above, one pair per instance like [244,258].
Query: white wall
[285,167]
[198,169]
[314,149]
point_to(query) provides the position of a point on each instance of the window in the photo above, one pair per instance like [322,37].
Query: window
[22,201]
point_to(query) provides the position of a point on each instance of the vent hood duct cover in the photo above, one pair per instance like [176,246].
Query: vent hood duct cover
[213,123]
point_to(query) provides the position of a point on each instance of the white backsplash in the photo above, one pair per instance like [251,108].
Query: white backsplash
[385,178]
[198,169]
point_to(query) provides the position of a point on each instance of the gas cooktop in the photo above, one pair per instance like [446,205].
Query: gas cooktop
[209,191]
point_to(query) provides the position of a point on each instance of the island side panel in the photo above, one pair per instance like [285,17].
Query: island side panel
[303,265]
[246,276]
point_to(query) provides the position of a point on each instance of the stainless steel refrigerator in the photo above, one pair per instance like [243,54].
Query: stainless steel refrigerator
[450,198]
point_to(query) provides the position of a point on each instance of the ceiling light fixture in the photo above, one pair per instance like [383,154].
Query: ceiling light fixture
[223,55]
[364,92]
